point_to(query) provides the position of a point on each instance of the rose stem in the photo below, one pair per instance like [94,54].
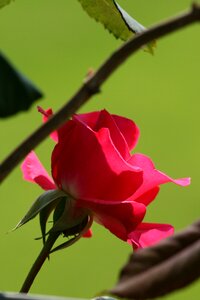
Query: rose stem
[39,262]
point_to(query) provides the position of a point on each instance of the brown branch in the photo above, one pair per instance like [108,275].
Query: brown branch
[93,84]
[159,270]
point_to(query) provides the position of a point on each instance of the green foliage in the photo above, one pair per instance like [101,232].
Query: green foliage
[63,219]
[4,2]
[113,17]
[41,202]
[17,93]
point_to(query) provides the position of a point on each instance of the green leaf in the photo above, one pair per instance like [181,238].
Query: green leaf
[17,93]
[113,17]
[4,2]
[41,202]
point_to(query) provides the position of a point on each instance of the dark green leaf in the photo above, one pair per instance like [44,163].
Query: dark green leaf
[17,93]
[41,202]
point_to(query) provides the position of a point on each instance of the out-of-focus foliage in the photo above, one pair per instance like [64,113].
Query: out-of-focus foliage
[4,2]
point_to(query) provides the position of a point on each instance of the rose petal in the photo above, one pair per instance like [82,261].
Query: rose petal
[148,234]
[60,133]
[147,197]
[89,119]
[129,130]
[33,171]
[88,234]
[86,165]
[152,178]
[121,219]
[105,120]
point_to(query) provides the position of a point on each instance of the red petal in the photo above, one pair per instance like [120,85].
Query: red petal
[88,234]
[33,171]
[129,130]
[152,178]
[87,165]
[46,115]
[148,234]
[120,219]
[105,120]
[147,197]
[89,119]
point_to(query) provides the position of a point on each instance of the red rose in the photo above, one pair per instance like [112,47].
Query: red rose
[92,164]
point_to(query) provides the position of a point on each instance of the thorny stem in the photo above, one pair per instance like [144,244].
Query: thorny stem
[39,262]
[93,84]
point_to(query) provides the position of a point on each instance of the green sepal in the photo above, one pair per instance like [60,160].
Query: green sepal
[59,210]
[66,244]
[65,216]
[44,215]
[74,233]
[41,202]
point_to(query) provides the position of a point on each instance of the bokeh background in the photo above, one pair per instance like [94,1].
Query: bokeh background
[55,43]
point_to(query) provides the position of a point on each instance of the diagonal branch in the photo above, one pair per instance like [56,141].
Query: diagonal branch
[93,84]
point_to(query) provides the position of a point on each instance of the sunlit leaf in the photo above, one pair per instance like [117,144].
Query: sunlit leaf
[113,17]
[17,93]
[41,202]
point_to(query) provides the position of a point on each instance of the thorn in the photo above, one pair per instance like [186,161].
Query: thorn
[89,74]
[42,111]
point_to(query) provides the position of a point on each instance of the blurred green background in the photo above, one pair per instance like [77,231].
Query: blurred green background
[55,43]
